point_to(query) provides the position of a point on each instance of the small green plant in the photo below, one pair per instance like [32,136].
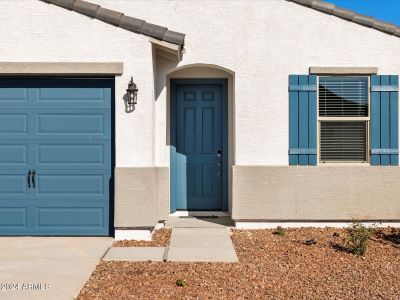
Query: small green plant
[279,231]
[181,282]
[357,238]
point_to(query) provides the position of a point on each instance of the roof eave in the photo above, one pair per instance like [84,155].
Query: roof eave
[350,15]
[121,20]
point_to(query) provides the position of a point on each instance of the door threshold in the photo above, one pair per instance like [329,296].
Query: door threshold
[199,213]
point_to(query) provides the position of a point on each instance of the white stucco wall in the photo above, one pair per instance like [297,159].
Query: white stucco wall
[31,30]
[262,42]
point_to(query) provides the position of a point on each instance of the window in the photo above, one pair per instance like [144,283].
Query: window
[343,114]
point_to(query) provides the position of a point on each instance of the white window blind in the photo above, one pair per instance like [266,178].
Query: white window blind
[343,96]
[343,116]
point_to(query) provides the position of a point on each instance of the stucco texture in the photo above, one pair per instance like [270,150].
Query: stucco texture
[262,43]
[326,193]
[258,43]
[142,195]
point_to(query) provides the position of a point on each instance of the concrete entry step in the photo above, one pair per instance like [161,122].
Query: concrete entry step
[135,254]
[198,222]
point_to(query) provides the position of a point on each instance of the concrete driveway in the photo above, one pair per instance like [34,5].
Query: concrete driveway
[48,267]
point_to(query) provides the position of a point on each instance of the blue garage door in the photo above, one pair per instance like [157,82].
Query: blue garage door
[55,156]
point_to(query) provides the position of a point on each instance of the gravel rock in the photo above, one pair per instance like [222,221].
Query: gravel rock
[310,242]
[271,267]
[160,238]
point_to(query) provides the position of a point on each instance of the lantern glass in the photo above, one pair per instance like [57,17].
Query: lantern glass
[133,97]
[132,93]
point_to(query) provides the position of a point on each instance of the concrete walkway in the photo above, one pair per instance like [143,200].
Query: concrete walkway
[48,267]
[200,240]
[192,240]
[201,245]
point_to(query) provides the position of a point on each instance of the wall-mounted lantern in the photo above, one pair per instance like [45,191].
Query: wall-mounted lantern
[131,93]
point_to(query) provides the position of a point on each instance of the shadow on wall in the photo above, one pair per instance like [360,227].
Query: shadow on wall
[161,67]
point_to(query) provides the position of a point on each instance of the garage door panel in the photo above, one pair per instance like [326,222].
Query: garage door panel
[70,185]
[16,155]
[43,217]
[56,92]
[34,123]
[61,128]
[70,217]
[70,154]
[13,218]
[14,188]
[14,123]
[12,95]
[13,153]
[76,95]
[13,185]
[71,123]
[73,154]
[72,93]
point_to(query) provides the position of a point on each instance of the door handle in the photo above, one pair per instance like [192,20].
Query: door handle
[28,179]
[219,161]
[33,178]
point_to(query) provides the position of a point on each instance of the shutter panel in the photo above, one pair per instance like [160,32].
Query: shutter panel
[302,120]
[384,120]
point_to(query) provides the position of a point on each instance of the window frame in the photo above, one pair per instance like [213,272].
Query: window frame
[367,120]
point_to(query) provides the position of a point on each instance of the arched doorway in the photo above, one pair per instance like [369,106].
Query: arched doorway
[201,127]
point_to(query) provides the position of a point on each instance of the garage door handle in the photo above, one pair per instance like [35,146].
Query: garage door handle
[28,179]
[33,178]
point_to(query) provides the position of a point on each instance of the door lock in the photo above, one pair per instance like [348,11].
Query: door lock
[219,161]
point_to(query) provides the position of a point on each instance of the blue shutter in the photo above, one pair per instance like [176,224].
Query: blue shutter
[302,120]
[384,120]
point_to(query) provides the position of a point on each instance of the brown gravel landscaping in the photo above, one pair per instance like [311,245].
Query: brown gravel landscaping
[160,238]
[271,267]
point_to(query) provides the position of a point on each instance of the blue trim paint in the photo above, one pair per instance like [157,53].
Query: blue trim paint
[63,129]
[307,151]
[384,88]
[384,151]
[312,121]
[174,156]
[293,121]
[384,120]
[303,88]
[302,120]
[375,121]
[394,120]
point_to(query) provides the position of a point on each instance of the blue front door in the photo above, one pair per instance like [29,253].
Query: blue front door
[200,159]
[60,129]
